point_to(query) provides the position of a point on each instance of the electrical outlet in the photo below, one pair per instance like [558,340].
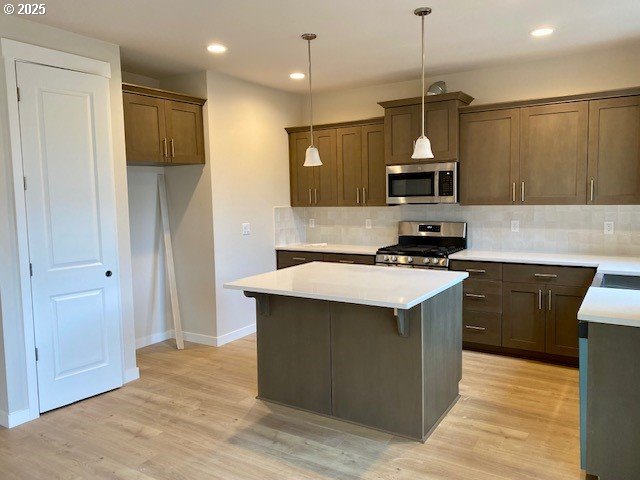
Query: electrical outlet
[312,223]
[367,223]
[246,229]
[608,228]
[515,226]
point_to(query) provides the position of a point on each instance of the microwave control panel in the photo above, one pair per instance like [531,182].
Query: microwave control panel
[445,183]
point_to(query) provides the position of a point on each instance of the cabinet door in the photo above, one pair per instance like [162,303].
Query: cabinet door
[325,190]
[553,155]
[144,128]
[349,160]
[441,127]
[563,304]
[523,316]
[401,129]
[184,133]
[489,157]
[374,171]
[301,178]
[614,151]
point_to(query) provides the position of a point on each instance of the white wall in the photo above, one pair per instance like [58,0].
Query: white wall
[13,393]
[584,72]
[250,176]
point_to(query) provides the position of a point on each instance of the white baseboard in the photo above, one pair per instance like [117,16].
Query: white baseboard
[10,420]
[209,340]
[153,338]
[131,374]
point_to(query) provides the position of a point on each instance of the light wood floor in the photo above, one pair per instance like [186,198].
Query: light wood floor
[193,415]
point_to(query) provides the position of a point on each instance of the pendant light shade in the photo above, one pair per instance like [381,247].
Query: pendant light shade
[312,155]
[422,147]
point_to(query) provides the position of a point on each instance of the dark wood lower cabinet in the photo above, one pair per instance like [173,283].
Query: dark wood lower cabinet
[523,320]
[563,304]
[290,258]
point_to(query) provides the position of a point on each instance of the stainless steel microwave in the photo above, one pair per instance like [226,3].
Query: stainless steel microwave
[422,183]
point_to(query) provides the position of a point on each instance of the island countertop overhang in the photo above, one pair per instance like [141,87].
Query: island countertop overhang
[400,288]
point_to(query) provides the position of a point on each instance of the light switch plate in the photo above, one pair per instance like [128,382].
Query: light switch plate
[312,223]
[608,228]
[246,229]
[515,226]
[367,223]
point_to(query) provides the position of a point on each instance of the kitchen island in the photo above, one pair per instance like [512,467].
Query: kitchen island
[376,346]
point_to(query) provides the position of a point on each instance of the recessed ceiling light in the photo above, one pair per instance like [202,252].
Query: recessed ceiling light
[541,32]
[297,76]
[217,48]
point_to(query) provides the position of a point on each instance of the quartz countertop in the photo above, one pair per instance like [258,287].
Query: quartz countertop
[329,248]
[611,305]
[378,286]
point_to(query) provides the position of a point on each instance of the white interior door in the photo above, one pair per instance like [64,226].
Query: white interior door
[70,203]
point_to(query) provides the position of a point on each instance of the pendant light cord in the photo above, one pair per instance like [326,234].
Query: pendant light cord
[310,93]
[422,75]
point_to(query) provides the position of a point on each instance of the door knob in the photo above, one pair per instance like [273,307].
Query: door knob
[108,273]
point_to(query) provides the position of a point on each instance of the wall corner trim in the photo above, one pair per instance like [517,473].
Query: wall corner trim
[10,420]
[131,374]
[198,338]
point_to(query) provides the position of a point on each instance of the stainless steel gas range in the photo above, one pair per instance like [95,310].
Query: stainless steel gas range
[424,245]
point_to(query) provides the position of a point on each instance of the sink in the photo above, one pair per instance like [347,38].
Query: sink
[627,282]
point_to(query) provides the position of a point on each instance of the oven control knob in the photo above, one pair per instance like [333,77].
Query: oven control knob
[394,258]
[409,259]
[385,258]
[434,261]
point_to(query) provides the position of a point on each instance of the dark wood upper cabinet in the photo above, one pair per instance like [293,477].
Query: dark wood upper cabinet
[523,316]
[553,154]
[352,172]
[374,178]
[144,123]
[563,304]
[489,157]
[403,125]
[162,128]
[301,178]
[614,151]
[185,133]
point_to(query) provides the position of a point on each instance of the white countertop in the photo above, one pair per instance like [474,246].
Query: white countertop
[617,265]
[377,286]
[330,248]
[611,305]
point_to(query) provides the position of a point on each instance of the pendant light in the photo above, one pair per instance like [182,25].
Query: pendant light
[422,147]
[312,156]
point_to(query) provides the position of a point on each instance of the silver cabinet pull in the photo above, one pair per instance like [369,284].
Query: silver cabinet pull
[299,259]
[358,196]
[522,192]
[591,190]
[513,192]
[545,275]
[550,295]
[164,150]
[173,149]
[310,197]
[474,295]
[473,327]
[473,270]
[315,194]
[539,299]
[346,261]
[364,196]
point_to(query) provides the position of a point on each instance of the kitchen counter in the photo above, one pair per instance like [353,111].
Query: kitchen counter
[611,306]
[359,284]
[329,248]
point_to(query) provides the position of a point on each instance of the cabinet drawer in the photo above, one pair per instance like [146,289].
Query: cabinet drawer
[344,258]
[480,270]
[289,259]
[482,295]
[481,327]
[548,274]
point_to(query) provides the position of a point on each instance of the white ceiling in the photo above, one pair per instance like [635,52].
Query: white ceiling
[359,41]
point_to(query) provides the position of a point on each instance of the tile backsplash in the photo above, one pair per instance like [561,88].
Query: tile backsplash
[553,228]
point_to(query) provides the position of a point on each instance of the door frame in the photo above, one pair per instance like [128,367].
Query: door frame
[12,52]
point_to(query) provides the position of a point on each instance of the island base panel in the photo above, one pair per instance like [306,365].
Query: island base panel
[350,362]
